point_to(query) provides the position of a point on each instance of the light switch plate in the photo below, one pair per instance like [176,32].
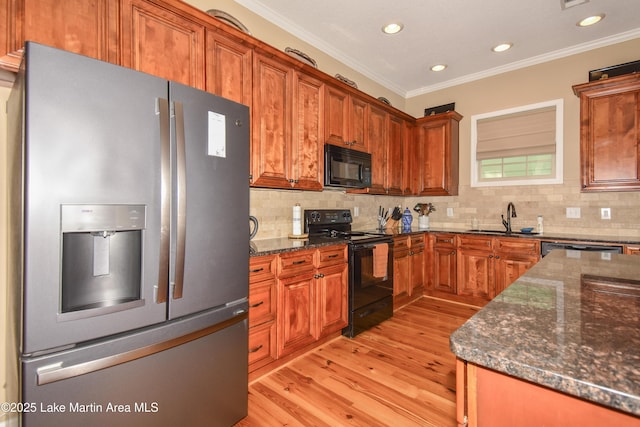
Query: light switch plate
[449,212]
[605,213]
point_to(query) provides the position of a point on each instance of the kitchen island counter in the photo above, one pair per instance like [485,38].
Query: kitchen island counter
[570,324]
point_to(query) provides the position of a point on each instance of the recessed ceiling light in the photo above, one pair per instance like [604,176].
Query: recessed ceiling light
[438,67]
[392,28]
[590,20]
[502,47]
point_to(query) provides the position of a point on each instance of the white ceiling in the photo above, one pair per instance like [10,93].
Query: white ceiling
[459,33]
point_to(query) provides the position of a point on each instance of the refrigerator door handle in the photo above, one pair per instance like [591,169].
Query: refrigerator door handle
[162,289]
[181,173]
[58,372]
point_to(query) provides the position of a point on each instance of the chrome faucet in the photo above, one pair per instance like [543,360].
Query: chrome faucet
[511,213]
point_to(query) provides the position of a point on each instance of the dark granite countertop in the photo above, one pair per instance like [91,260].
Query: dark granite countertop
[558,326]
[284,244]
[278,245]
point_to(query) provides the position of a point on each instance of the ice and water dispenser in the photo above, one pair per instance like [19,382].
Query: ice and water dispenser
[101,259]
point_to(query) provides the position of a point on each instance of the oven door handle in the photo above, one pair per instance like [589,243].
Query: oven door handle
[359,246]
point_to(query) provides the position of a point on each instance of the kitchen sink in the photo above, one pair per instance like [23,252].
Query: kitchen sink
[502,232]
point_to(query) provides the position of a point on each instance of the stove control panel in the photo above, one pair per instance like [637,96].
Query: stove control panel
[327,216]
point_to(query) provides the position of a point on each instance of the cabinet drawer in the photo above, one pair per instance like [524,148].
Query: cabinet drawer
[517,246]
[331,255]
[261,268]
[444,240]
[416,241]
[292,263]
[262,302]
[400,243]
[475,242]
[262,345]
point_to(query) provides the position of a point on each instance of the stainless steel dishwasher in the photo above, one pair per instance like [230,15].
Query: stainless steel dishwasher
[546,247]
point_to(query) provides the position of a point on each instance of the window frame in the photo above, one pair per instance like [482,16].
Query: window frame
[558,177]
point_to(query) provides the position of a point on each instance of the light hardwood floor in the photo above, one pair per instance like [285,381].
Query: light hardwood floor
[399,373]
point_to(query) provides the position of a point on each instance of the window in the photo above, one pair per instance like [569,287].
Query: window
[518,146]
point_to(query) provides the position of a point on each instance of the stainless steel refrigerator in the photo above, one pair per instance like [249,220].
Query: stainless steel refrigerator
[129,247]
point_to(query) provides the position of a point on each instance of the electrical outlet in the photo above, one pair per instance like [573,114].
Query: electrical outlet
[573,212]
[449,212]
[356,211]
[605,213]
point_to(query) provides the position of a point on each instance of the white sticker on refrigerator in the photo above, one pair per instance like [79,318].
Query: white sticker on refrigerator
[217,138]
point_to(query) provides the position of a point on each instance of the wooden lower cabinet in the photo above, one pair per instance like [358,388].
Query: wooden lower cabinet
[444,264]
[262,311]
[400,268]
[487,265]
[513,257]
[332,298]
[416,264]
[632,250]
[296,299]
[296,307]
[494,399]
[475,264]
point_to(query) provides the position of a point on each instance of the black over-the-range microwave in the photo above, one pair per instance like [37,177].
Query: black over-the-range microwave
[344,167]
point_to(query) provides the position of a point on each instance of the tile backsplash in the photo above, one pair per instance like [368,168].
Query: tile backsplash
[273,208]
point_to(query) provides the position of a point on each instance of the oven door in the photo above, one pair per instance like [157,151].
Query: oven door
[371,280]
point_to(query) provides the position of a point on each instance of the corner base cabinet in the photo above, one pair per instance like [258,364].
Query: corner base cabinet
[610,134]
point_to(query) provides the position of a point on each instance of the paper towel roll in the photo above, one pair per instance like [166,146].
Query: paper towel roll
[297,220]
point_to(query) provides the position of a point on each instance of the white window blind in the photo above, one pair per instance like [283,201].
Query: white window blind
[518,146]
[518,134]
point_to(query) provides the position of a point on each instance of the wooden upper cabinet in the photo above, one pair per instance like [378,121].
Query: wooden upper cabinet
[271,123]
[398,132]
[162,42]
[610,134]
[85,27]
[307,140]
[437,137]
[378,146]
[229,68]
[346,119]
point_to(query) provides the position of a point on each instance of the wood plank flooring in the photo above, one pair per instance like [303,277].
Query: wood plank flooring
[399,373]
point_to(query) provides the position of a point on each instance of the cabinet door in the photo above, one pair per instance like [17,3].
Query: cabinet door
[401,279]
[308,133]
[400,266]
[85,27]
[438,138]
[417,270]
[228,68]
[296,322]
[610,141]
[475,270]
[444,264]
[162,43]
[397,135]
[332,289]
[358,123]
[271,123]
[336,116]
[378,144]
[508,268]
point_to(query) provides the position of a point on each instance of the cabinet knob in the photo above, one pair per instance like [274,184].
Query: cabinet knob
[453,252]
[497,256]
